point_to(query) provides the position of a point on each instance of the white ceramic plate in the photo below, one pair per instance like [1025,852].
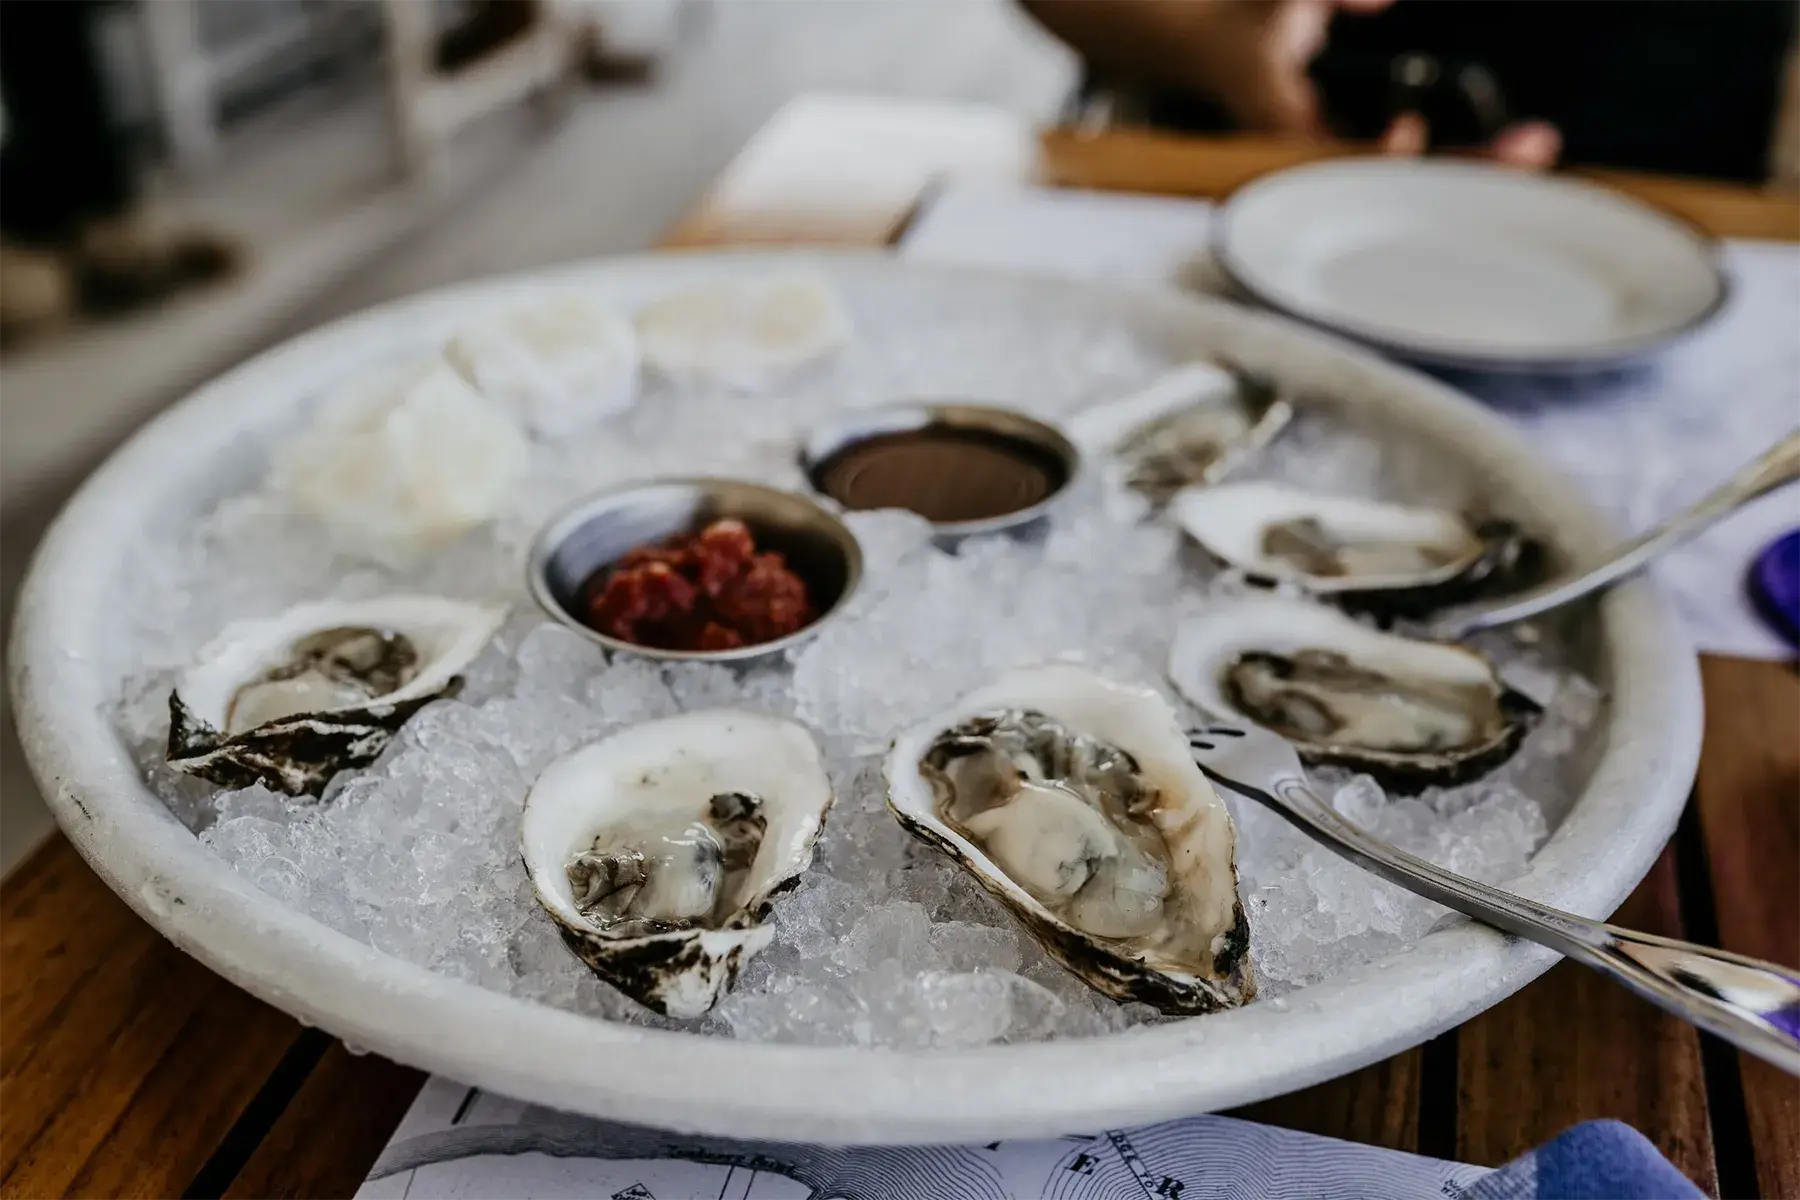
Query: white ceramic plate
[65,671]
[1470,265]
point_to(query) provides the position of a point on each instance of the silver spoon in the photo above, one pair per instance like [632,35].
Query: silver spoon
[1779,466]
[1754,1005]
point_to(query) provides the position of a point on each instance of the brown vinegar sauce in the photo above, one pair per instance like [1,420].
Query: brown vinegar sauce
[943,473]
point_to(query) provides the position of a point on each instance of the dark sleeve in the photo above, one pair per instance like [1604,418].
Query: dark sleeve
[1685,88]
[1680,86]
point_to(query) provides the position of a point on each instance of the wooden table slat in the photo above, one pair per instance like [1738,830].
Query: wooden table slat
[1748,796]
[322,1146]
[37,904]
[191,1097]
[148,1060]
[73,1021]
[1378,1105]
[55,917]
[1574,1046]
[1135,160]
[94,1030]
[1142,160]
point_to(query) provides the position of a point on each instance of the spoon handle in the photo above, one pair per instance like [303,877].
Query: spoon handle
[1780,465]
[1752,1004]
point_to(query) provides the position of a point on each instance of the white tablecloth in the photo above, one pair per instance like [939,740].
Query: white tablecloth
[1645,443]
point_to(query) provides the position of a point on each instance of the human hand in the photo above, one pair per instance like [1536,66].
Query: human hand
[1251,57]
[1531,144]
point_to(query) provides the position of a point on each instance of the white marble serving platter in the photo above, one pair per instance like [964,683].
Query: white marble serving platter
[68,657]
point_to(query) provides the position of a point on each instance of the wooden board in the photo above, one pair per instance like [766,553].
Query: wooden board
[126,1063]
[1748,797]
[1576,1047]
[1378,1105]
[321,1145]
[1132,160]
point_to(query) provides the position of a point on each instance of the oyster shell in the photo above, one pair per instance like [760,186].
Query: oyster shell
[742,332]
[657,850]
[1410,712]
[1361,554]
[403,459]
[291,700]
[1076,803]
[1194,425]
[562,361]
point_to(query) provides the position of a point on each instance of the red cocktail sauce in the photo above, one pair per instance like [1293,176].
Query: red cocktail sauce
[711,590]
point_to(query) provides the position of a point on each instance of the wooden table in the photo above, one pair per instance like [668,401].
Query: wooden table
[128,1069]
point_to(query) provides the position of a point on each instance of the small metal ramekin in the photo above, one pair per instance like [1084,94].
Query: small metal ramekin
[853,427]
[602,528]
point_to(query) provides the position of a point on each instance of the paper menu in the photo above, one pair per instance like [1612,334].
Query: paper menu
[459,1142]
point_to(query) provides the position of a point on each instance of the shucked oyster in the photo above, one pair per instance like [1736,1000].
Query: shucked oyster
[403,459]
[744,333]
[1363,554]
[1076,803]
[291,700]
[657,850]
[1191,426]
[560,361]
[1410,712]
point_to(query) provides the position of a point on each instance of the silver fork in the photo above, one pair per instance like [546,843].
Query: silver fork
[1752,1004]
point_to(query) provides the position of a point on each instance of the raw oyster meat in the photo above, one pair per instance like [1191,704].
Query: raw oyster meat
[1076,803]
[562,361]
[1362,554]
[657,850]
[404,459]
[1194,425]
[742,333]
[1408,711]
[291,700]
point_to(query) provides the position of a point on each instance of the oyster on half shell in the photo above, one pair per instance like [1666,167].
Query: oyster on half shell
[1191,426]
[1362,554]
[743,332]
[658,850]
[291,700]
[1408,711]
[561,362]
[1076,803]
[401,459]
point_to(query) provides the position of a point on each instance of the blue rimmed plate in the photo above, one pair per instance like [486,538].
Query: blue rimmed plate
[1470,265]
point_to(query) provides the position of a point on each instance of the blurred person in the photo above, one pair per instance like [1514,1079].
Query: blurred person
[1680,86]
[72,231]
[486,26]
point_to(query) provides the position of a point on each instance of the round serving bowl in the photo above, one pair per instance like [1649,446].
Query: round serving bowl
[1035,438]
[67,662]
[597,531]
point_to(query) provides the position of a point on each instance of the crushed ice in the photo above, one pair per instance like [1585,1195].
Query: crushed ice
[885,943]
